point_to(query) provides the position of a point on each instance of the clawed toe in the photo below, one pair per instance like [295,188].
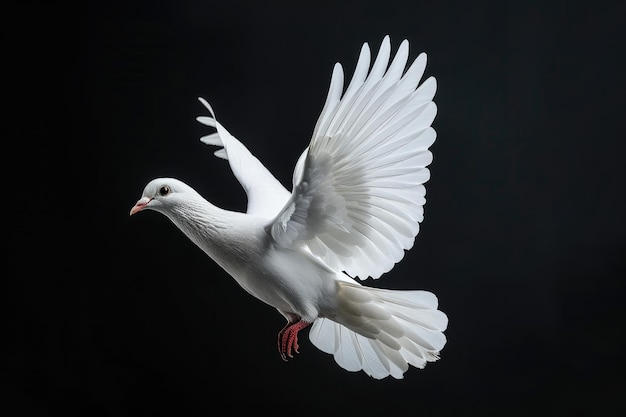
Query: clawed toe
[288,339]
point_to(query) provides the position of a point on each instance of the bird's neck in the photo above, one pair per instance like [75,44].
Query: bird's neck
[226,236]
[200,218]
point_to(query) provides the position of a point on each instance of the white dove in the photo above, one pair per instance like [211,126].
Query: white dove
[355,208]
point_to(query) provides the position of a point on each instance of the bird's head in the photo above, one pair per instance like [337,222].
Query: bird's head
[161,195]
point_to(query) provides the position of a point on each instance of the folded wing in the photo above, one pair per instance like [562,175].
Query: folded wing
[358,191]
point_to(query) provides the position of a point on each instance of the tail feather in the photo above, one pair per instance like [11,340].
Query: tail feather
[348,352]
[382,332]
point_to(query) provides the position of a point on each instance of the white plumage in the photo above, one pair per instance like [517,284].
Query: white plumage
[355,208]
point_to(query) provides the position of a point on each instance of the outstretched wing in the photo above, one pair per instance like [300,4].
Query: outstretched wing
[266,195]
[358,192]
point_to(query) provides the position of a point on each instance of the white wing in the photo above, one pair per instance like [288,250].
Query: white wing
[358,192]
[266,195]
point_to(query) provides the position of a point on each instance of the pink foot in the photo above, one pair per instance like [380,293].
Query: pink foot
[288,338]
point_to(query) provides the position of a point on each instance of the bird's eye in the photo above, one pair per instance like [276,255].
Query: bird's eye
[164,190]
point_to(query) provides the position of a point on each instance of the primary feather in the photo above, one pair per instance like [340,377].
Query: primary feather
[366,166]
[354,209]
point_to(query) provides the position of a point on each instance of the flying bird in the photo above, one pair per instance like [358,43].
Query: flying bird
[353,211]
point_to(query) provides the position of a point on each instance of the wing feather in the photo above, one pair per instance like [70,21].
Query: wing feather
[358,190]
[266,195]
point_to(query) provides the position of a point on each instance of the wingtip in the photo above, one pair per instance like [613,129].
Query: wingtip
[365,53]
[207,105]
[207,121]
[386,42]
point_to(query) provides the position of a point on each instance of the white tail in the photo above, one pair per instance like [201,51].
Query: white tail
[380,331]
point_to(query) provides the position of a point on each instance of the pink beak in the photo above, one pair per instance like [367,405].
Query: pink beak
[140,205]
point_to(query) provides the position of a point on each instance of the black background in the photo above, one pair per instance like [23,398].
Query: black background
[523,238]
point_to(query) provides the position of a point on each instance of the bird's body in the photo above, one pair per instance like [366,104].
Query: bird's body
[354,209]
[238,243]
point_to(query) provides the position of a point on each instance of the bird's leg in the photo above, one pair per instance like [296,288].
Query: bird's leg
[288,338]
